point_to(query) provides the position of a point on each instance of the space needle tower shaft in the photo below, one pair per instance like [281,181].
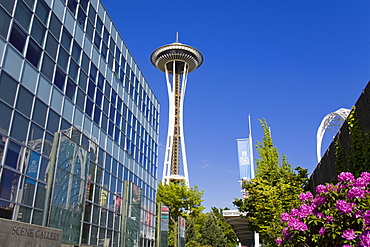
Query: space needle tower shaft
[176,60]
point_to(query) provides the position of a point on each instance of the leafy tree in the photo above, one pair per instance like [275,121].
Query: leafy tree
[227,231]
[274,190]
[211,231]
[181,200]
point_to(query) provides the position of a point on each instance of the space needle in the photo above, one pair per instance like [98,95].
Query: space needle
[176,60]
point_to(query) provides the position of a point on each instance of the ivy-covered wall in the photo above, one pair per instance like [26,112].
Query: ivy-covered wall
[350,149]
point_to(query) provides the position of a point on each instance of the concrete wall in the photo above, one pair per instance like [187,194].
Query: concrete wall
[18,234]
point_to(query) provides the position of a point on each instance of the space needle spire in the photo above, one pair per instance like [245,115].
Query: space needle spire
[176,60]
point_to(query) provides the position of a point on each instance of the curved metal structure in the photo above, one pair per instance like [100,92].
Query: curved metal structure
[176,60]
[333,121]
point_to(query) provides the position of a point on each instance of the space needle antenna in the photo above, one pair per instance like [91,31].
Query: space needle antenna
[176,60]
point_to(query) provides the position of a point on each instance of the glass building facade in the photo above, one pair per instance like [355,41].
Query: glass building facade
[78,125]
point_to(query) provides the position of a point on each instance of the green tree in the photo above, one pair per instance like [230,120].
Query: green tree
[212,233]
[274,190]
[227,231]
[181,200]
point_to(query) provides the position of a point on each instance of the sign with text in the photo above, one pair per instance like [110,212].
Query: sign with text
[244,159]
[16,234]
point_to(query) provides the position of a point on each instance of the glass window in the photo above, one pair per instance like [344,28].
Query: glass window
[82,82]
[29,3]
[72,5]
[99,97]
[81,17]
[80,102]
[37,217]
[28,190]
[100,81]
[4,23]
[24,214]
[55,25]
[92,14]
[73,70]
[34,137]
[63,59]
[76,51]
[24,101]
[33,53]
[106,105]
[70,89]
[66,39]
[84,4]
[48,143]
[12,158]
[59,79]
[51,46]
[42,11]
[93,71]
[104,51]
[85,62]
[99,25]
[106,35]
[19,127]
[91,90]
[23,15]
[40,196]
[43,167]
[8,5]
[39,112]
[89,29]
[53,121]
[97,112]
[8,87]
[104,122]
[6,113]
[8,180]
[89,107]
[38,31]
[18,38]
[47,67]
[97,40]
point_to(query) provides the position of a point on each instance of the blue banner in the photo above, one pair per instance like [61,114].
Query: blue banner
[33,166]
[244,156]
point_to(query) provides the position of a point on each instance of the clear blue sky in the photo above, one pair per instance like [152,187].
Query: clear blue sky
[290,62]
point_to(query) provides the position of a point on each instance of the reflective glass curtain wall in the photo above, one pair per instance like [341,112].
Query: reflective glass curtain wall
[65,69]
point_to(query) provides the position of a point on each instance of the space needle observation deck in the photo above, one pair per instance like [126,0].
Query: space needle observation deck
[176,60]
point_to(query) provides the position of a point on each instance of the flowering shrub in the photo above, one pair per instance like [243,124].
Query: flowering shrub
[338,216]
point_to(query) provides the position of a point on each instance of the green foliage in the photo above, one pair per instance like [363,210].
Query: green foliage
[355,157]
[212,233]
[274,190]
[181,201]
[227,231]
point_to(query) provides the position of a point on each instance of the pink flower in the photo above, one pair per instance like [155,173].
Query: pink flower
[322,231]
[279,241]
[355,192]
[319,200]
[285,217]
[321,189]
[297,225]
[305,196]
[346,177]
[365,239]
[349,234]
[343,207]
[305,210]
[366,218]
